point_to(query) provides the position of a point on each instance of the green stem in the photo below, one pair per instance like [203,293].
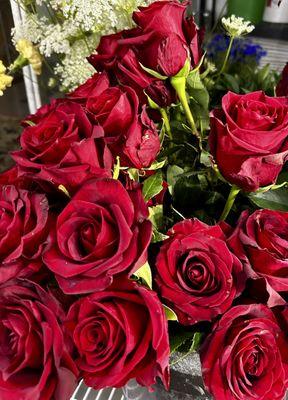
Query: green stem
[230,201]
[166,122]
[19,63]
[179,84]
[226,56]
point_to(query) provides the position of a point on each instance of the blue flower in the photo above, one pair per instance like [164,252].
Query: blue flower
[244,50]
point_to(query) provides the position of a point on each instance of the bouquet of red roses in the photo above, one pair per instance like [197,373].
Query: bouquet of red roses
[133,225]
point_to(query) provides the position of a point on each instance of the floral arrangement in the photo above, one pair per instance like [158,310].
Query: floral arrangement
[133,226]
[64,33]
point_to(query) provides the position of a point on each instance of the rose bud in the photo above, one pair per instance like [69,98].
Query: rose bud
[128,134]
[245,357]
[120,334]
[60,148]
[121,62]
[165,38]
[248,138]
[103,232]
[260,241]
[196,274]
[35,353]
[24,228]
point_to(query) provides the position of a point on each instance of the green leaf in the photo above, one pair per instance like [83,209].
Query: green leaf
[154,73]
[186,342]
[64,190]
[205,158]
[263,73]
[232,82]
[30,123]
[197,90]
[178,339]
[157,165]
[156,217]
[152,186]
[158,236]
[184,72]
[145,273]
[133,174]
[170,314]
[173,174]
[272,199]
[116,171]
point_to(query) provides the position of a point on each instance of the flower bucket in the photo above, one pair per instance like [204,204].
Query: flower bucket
[186,383]
[276,13]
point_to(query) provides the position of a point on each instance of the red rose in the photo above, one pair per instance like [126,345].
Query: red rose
[282,87]
[249,138]
[94,86]
[165,38]
[25,223]
[129,134]
[120,334]
[246,356]
[34,355]
[197,275]
[101,233]
[260,241]
[121,62]
[61,148]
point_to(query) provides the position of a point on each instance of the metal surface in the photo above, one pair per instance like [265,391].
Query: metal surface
[277,51]
[30,79]
[84,393]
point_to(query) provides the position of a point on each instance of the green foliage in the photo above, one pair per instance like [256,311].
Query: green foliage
[170,314]
[156,217]
[152,185]
[185,342]
[276,199]
[144,274]
[199,100]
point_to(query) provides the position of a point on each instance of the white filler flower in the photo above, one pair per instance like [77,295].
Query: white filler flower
[67,31]
[237,26]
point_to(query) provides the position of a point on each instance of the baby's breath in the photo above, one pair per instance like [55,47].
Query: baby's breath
[60,33]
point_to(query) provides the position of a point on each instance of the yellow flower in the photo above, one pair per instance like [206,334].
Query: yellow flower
[5,80]
[28,51]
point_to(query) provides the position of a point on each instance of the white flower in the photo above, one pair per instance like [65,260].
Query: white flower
[60,33]
[237,26]
[74,68]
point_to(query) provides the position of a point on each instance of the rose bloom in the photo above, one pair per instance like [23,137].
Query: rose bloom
[122,65]
[260,241]
[124,126]
[93,87]
[120,334]
[246,357]
[248,138]
[60,148]
[166,37]
[104,231]
[25,223]
[162,41]
[196,274]
[34,351]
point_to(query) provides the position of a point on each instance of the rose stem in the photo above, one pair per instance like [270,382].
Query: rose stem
[166,123]
[226,56]
[179,84]
[230,201]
